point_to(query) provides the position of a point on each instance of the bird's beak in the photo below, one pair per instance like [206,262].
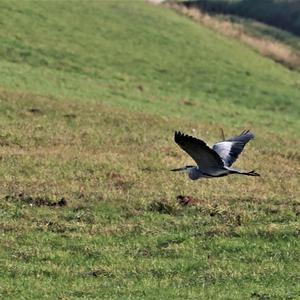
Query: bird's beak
[180,170]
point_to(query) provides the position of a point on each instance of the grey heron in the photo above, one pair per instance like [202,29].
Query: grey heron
[215,162]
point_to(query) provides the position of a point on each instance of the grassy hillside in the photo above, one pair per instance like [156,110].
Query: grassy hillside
[110,57]
[90,94]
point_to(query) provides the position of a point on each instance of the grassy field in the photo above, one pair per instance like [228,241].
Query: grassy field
[90,96]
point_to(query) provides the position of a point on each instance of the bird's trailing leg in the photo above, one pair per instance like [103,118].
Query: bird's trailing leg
[251,173]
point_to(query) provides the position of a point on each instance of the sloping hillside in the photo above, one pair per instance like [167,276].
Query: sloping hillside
[107,55]
[90,95]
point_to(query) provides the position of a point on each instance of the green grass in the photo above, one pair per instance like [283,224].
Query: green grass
[87,113]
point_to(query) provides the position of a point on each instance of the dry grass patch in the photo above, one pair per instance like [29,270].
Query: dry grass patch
[274,50]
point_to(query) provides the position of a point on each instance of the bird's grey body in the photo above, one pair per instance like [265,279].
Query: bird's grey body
[215,162]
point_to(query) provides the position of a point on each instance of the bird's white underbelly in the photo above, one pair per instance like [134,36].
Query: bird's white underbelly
[197,173]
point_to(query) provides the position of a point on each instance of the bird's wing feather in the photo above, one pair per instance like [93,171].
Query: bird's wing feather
[205,157]
[230,149]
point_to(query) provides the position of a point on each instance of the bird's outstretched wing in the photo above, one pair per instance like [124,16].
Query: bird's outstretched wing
[205,157]
[230,149]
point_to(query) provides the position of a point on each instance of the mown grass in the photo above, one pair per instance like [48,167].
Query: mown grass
[122,232]
[89,207]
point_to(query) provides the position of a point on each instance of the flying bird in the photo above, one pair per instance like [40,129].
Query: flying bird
[215,162]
